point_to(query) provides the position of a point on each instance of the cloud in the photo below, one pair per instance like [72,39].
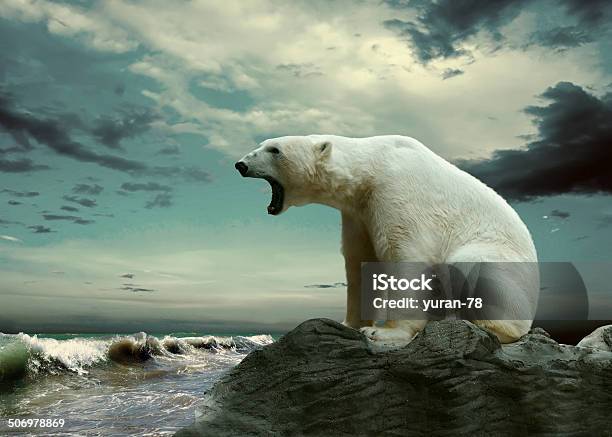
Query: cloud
[69,208]
[581,237]
[110,131]
[72,218]
[7,150]
[571,155]
[119,89]
[451,72]
[148,186]
[83,201]
[170,150]
[51,132]
[127,275]
[334,285]
[92,28]
[560,214]
[307,69]
[9,238]
[135,288]
[191,174]
[14,202]
[589,13]
[589,18]
[9,222]
[20,193]
[561,38]
[20,166]
[162,200]
[92,190]
[605,221]
[40,229]
[189,75]
[443,27]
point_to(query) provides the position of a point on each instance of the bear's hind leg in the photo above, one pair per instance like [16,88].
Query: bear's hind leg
[507,284]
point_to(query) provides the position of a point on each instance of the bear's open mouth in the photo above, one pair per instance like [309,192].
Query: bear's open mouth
[278,195]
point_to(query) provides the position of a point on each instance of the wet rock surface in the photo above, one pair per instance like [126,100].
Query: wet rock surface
[453,379]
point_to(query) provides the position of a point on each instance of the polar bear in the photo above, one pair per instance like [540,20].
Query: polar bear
[399,201]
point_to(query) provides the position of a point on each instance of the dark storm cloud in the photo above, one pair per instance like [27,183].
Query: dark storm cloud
[69,208]
[6,150]
[50,132]
[590,16]
[40,229]
[20,166]
[148,186]
[443,26]
[559,214]
[20,193]
[83,201]
[53,132]
[162,200]
[110,131]
[14,202]
[170,150]
[92,190]
[127,275]
[451,72]
[70,218]
[561,38]
[589,12]
[571,155]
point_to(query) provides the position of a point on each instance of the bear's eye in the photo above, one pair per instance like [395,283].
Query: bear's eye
[274,150]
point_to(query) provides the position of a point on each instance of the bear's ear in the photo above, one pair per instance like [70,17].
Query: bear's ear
[323,149]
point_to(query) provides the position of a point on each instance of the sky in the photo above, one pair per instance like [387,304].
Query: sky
[120,122]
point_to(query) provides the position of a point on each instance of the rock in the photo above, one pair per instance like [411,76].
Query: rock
[453,379]
[601,339]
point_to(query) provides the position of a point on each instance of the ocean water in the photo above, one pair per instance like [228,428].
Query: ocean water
[112,384]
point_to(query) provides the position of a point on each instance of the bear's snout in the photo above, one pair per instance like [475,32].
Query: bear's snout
[242,168]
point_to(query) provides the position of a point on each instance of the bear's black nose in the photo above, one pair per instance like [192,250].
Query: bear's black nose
[241,167]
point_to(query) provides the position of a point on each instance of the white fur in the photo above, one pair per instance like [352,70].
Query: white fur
[402,202]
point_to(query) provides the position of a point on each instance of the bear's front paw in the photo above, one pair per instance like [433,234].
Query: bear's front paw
[388,336]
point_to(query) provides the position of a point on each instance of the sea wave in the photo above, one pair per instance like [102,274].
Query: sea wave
[25,356]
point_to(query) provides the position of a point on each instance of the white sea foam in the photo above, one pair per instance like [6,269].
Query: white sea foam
[25,355]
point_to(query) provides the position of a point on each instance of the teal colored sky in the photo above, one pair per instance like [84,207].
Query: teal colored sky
[122,120]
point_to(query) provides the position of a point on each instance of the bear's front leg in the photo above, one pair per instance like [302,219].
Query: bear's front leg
[356,248]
